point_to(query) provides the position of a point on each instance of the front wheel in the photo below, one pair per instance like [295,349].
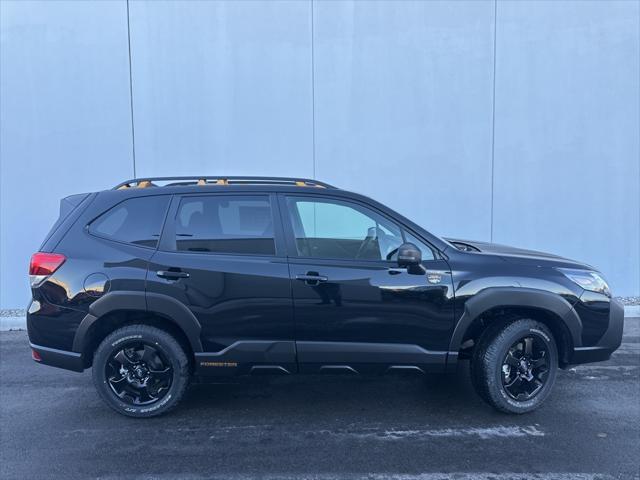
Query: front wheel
[140,371]
[514,365]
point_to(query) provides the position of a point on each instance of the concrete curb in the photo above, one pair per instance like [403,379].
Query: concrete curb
[632,311]
[20,323]
[12,323]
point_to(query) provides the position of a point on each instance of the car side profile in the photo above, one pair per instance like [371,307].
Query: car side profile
[161,281]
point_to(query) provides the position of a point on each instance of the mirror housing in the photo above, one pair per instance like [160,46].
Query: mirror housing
[409,255]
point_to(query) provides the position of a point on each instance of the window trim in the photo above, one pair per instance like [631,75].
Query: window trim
[87,226]
[292,250]
[167,243]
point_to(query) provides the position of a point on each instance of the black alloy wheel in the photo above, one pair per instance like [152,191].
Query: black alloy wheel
[525,368]
[138,374]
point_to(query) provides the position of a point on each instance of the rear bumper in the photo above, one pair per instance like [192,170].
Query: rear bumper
[608,343]
[59,358]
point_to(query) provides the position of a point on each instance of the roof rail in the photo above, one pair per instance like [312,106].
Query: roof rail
[147,182]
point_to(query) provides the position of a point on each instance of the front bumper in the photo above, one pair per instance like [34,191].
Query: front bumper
[58,358]
[608,343]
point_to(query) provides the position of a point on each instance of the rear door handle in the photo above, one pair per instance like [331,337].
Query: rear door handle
[312,279]
[172,274]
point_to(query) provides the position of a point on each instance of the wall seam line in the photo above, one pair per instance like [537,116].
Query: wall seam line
[493,112]
[133,130]
[313,98]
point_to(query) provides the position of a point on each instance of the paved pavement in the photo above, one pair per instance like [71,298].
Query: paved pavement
[53,425]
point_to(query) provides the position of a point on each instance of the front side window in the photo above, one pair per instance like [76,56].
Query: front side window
[225,224]
[341,230]
[137,220]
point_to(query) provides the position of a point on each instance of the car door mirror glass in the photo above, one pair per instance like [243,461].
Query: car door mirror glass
[427,252]
[409,255]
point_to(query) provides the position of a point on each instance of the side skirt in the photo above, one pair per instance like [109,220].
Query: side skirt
[367,358]
[249,357]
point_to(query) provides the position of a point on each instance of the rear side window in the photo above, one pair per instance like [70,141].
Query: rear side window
[137,220]
[225,224]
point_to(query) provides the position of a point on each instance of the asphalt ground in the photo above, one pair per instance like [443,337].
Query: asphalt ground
[53,425]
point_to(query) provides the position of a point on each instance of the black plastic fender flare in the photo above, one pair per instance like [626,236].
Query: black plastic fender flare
[493,297]
[162,305]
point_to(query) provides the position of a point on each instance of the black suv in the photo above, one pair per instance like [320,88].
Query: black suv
[161,280]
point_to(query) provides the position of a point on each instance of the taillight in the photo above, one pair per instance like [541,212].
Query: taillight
[42,265]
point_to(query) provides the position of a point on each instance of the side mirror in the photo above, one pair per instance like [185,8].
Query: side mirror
[409,255]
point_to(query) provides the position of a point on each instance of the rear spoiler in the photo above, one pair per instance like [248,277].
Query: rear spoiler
[67,206]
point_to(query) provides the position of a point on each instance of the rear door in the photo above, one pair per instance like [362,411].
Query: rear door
[222,256]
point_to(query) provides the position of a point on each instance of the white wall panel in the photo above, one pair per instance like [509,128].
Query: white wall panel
[403,98]
[64,111]
[399,106]
[222,87]
[568,134]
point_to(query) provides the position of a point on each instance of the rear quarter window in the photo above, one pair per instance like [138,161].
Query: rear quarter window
[136,220]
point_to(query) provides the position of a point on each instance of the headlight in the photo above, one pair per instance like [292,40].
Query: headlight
[587,279]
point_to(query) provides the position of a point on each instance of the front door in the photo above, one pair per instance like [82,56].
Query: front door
[355,310]
[222,256]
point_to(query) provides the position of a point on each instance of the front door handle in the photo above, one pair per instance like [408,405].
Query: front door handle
[171,274]
[312,278]
[397,270]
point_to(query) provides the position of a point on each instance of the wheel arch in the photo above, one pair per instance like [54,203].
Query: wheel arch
[497,302]
[118,309]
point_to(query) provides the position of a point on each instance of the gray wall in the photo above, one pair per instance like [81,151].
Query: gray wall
[517,122]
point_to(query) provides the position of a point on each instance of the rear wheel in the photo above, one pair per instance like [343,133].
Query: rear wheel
[514,365]
[140,371]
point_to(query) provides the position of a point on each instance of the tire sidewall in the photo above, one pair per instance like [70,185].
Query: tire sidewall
[516,333]
[116,341]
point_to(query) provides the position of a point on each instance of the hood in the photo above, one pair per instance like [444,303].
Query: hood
[513,254]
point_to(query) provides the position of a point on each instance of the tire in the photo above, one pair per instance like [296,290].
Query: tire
[508,378]
[140,371]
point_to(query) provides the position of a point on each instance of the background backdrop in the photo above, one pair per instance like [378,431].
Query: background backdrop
[517,122]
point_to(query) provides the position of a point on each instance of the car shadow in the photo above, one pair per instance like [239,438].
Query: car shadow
[336,395]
